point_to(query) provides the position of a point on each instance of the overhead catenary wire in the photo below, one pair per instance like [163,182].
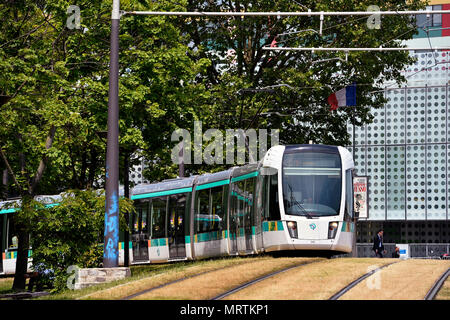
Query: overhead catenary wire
[281,14]
[351,49]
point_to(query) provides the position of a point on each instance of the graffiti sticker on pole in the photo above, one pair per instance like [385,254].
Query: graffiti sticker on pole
[361,195]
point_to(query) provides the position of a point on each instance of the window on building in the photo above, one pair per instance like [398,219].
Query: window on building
[434,20]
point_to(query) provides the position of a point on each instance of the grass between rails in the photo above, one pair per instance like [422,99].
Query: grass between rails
[318,281]
[407,280]
[145,276]
[444,293]
[212,284]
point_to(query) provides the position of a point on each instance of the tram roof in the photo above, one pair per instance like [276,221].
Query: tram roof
[213,177]
[179,183]
[311,147]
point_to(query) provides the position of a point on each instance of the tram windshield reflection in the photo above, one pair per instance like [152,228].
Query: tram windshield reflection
[312,184]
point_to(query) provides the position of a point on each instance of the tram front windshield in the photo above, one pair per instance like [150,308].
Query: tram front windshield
[312,184]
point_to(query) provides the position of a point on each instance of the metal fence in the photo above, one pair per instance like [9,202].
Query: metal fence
[417,250]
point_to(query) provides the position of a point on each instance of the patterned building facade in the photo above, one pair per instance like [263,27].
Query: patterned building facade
[405,151]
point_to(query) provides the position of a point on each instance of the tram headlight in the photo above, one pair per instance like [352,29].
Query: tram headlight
[332,229]
[292,227]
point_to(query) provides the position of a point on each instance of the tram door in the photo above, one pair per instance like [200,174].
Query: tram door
[176,226]
[140,233]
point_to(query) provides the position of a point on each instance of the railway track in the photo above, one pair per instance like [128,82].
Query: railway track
[225,292]
[240,287]
[252,282]
[140,293]
[354,283]
[437,286]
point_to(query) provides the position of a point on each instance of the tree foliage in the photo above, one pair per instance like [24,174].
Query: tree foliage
[71,233]
[288,90]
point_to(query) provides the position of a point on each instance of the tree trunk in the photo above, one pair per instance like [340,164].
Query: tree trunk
[22,258]
[5,184]
[20,225]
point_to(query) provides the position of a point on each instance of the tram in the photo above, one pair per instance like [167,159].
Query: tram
[297,199]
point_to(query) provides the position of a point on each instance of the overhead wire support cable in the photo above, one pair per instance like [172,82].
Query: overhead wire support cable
[282,14]
[350,49]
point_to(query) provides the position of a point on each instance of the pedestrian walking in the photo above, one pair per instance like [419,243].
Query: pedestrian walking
[378,245]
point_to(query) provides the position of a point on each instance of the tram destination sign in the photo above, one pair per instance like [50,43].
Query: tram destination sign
[361,196]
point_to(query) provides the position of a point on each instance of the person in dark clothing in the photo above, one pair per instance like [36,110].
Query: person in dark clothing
[396,253]
[378,246]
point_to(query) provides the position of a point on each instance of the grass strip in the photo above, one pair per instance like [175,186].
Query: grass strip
[318,281]
[214,283]
[407,280]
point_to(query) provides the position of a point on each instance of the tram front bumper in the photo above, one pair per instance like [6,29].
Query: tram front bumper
[299,244]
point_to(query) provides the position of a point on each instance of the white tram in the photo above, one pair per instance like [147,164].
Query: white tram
[298,199]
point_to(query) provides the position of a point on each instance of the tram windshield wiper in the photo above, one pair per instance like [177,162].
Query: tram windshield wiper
[299,205]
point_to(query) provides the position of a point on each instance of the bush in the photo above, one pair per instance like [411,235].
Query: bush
[71,233]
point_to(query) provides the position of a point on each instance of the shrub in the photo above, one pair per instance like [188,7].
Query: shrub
[71,233]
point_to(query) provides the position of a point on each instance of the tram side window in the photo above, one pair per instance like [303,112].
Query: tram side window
[260,197]
[144,221]
[13,240]
[217,209]
[249,191]
[349,193]
[140,218]
[159,217]
[202,215]
[233,206]
[272,206]
[241,209]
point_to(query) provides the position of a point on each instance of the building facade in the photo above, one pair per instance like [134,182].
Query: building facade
[405,152]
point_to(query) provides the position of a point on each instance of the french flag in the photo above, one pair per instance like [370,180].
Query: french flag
[343,97]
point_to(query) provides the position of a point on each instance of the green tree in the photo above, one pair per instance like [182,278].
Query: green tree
[289,90]
[54,94]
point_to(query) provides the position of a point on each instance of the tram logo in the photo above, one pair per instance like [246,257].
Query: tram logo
[313,226]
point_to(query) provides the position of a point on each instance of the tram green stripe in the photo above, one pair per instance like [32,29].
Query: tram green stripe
[272,226]
[160,193]
[245,176]
[212,184]
[209,236]
[161,242]
[8,210]
[11,210]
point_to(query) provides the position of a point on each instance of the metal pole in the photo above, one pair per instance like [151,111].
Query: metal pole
[111,243]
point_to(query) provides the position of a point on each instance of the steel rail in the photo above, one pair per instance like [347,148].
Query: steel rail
[437,285]
[134,295]
[344,290]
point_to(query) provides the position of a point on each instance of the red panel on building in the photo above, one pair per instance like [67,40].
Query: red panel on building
[446,21]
